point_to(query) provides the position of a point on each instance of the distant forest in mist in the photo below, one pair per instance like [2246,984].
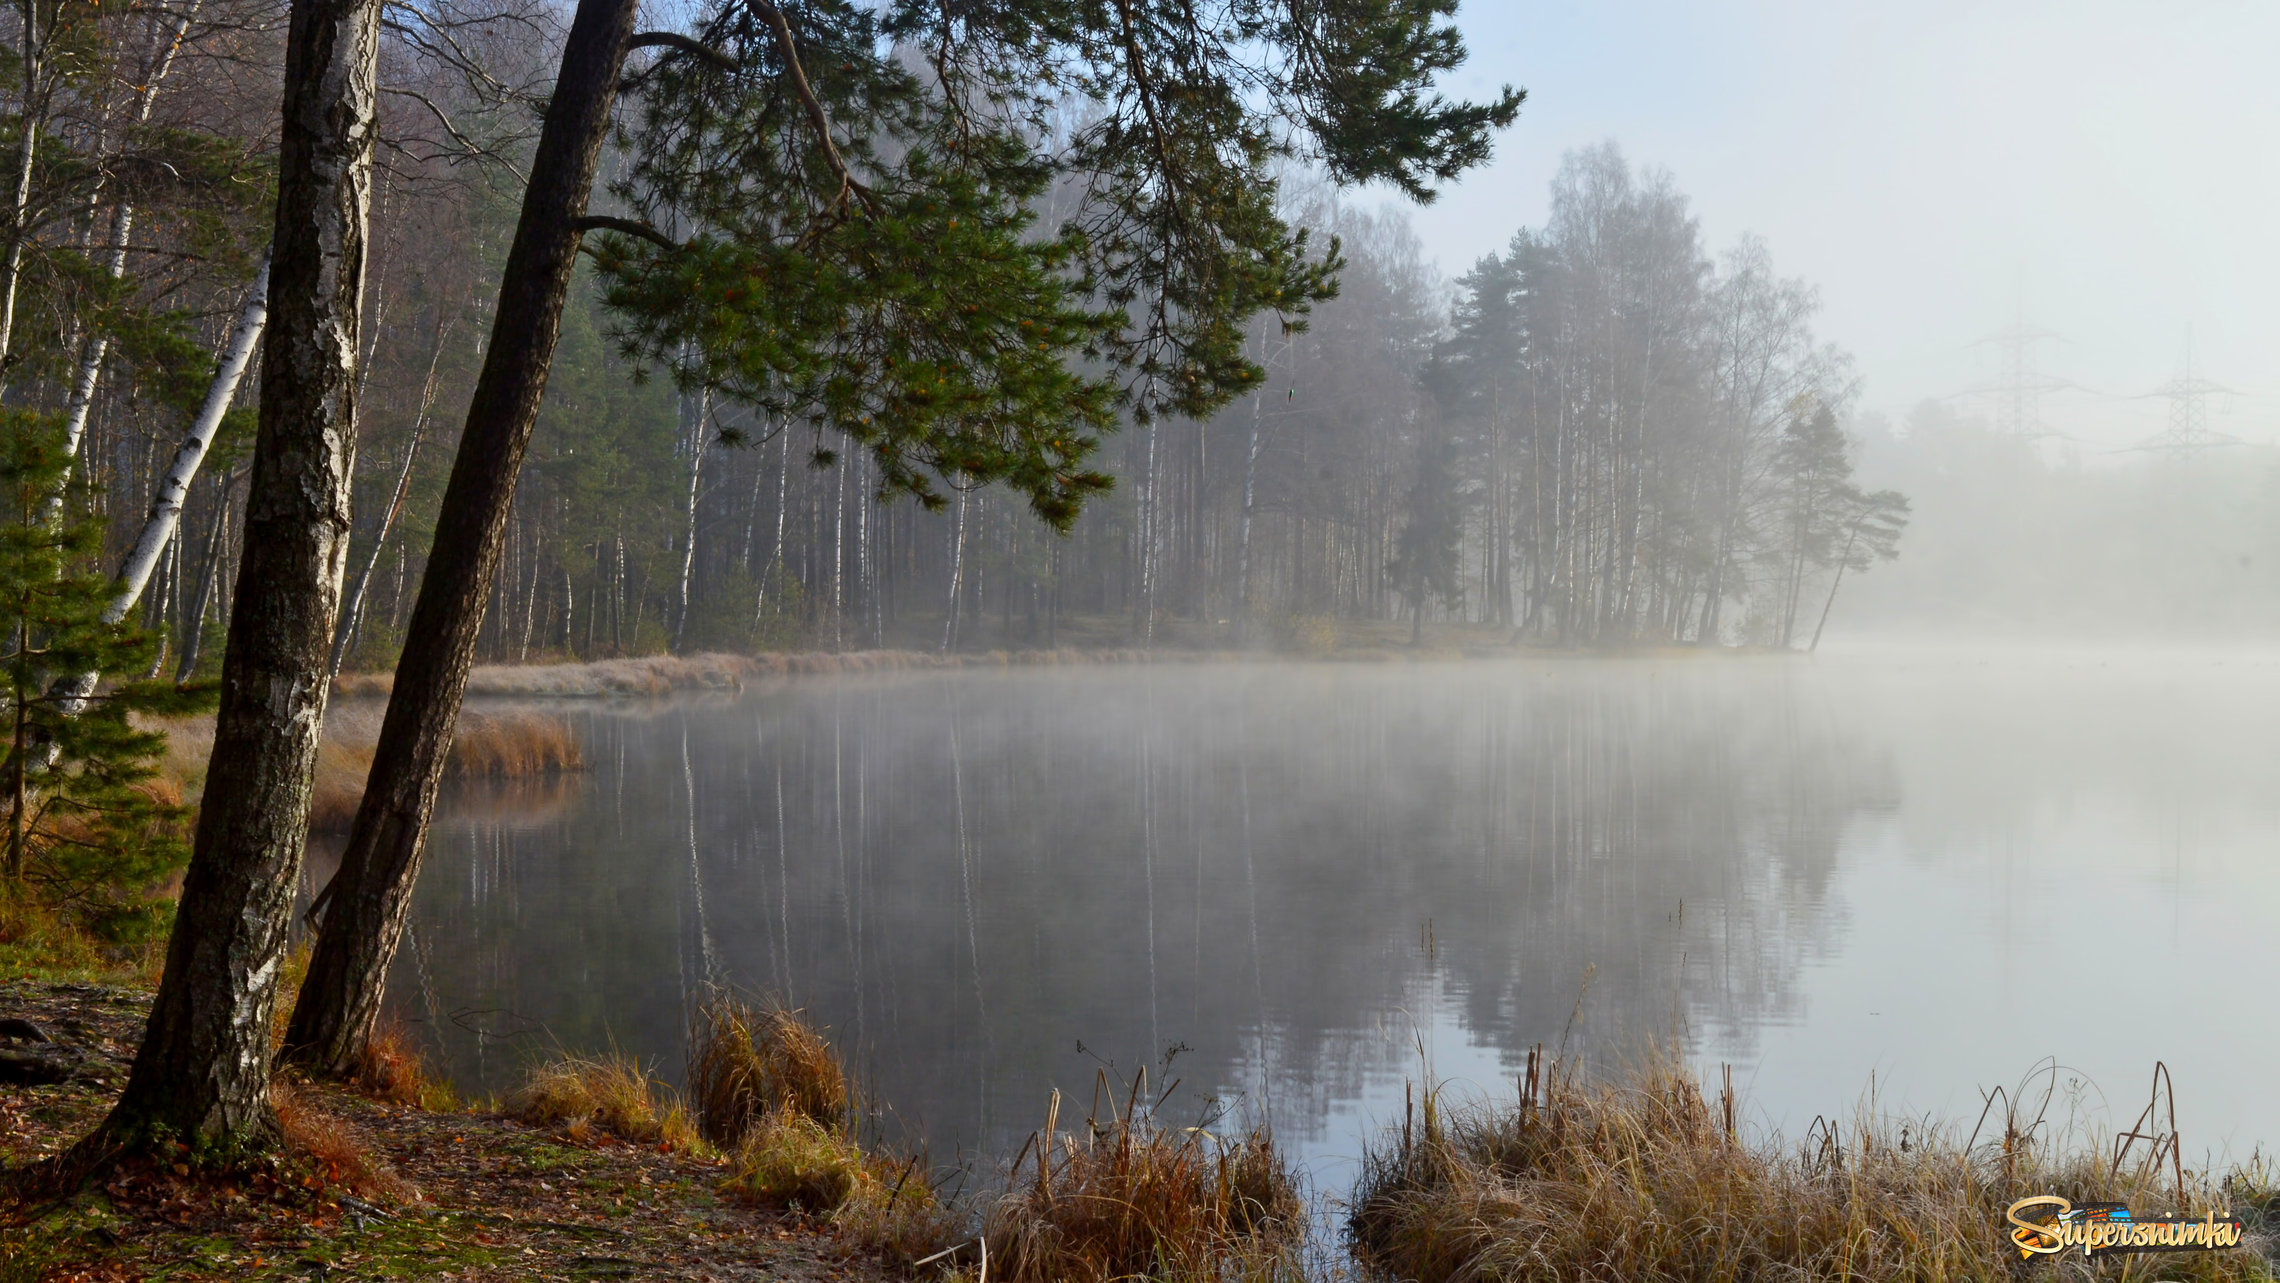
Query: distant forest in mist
[2015,537]
[1609,433]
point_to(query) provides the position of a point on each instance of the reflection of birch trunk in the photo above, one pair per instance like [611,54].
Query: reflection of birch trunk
[352,614]
[784,888]
[966,893]
[696,874]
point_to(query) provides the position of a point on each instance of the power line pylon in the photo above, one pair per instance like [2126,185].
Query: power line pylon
[2018,388]
[2188,396]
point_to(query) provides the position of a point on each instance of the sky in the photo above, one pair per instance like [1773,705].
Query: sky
[2106,170]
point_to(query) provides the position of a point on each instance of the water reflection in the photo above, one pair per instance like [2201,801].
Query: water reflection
[989,883]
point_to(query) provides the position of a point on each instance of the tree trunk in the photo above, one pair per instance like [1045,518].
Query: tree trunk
[352,615]
[957,576]
[194,645]
[1834,584]
[122,229]
[202,1074]
[697,405]
[32,52]
[157,536]
[372,891]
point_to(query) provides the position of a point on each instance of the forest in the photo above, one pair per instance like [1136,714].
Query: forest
[1606,434]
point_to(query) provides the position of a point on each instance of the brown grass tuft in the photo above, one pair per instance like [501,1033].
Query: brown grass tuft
[788,1160]
[331,1146]
[749,1061]
[1640,1177]
[391,1067]
[1139,1200]
[611,1092]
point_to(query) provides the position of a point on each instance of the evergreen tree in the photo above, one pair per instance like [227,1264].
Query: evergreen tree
[92,835]
[1816,473]
[1424,564]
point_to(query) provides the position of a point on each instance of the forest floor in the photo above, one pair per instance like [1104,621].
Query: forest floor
[373,1190]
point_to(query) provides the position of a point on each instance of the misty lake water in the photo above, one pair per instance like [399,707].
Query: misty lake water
[1921,870]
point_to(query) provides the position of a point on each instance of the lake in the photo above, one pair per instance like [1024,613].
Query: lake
[1921,871]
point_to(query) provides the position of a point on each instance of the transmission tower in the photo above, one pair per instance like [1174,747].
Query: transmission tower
[2188,396]
[2016,392]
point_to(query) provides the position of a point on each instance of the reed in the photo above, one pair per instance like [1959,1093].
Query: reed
[611,1092]
[1136,1199]
[751,1061]
[1641,1177]
[515,744]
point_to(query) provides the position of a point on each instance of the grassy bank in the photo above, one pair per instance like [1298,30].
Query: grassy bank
[370,1188]
[762,1167]
[1643,1177]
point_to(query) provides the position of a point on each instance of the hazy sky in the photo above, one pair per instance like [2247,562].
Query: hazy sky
[1927,163]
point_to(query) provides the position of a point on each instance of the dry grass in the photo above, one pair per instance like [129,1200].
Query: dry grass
[770,1091]
[749,1062]
[1139,1200]
[653,675]
[1641,1178]
[518,744]
[495,745]
[391,1068]
[327,1142]
[611,1092]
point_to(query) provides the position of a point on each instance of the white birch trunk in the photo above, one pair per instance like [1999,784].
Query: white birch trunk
[166,505]
[700,405]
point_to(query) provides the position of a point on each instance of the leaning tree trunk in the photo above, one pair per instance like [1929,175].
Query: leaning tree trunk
[70,693]
[368,898]
[202,1075]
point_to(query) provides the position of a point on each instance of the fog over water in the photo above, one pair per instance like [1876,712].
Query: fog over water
[1927,866]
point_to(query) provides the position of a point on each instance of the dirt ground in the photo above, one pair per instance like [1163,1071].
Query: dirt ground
[379,1192]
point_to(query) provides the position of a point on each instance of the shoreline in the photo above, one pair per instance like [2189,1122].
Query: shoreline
[658,675]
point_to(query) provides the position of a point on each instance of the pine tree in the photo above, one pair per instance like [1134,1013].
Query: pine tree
[92,835]
[1424,564]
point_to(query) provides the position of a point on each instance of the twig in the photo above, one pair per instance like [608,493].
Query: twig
[473,148]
